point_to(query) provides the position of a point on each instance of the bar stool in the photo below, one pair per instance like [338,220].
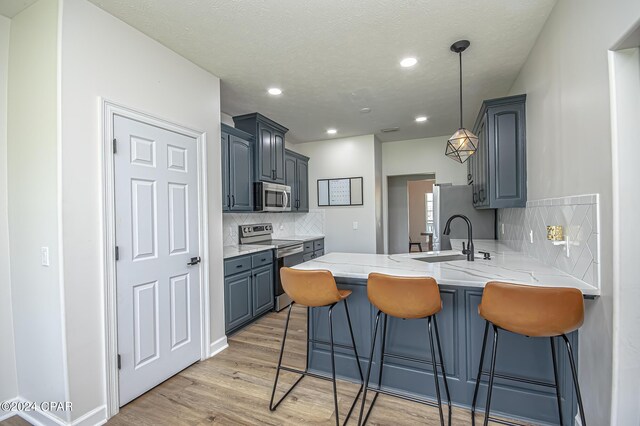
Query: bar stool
[405,298]
[534,312]
[315,289]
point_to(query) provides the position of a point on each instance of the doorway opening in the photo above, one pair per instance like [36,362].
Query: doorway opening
[410,217]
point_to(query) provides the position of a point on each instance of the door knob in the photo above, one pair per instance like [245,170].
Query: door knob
[194,261]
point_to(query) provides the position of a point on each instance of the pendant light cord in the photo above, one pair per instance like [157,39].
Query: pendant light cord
[460,55]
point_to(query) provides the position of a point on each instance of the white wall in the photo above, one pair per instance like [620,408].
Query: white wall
[625,93]
[378,195]
[345,157]
[32,151]
[104,57]
[569,150]
[418,156]
[227,119]
[8,378]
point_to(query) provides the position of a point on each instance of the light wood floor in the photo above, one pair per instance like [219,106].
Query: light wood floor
[234,387]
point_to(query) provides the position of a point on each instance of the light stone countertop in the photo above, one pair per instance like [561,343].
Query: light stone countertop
[303,238]
[505,265]
[240,250]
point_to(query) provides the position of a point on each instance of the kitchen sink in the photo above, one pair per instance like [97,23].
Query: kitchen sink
[443,258]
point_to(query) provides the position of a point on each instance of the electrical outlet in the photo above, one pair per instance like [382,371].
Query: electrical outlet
[531,236]
[44,256]
[502,228]
[355,225]
[281,227]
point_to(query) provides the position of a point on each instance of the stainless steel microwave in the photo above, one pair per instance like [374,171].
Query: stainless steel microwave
[272,197]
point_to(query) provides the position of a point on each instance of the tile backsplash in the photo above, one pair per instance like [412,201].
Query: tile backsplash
[525,230]
[284,224]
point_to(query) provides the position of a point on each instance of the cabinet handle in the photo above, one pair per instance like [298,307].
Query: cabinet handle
[233,200]
[475,198]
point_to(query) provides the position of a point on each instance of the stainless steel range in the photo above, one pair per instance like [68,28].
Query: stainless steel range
[288,253]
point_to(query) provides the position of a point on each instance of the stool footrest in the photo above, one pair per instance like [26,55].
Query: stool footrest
[409,358]
[337,345]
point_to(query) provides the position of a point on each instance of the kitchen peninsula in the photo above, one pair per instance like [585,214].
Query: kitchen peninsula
[461,329]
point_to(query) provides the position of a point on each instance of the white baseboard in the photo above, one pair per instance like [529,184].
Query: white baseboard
[4,415]
[40,418]
[95,417]
[218,346]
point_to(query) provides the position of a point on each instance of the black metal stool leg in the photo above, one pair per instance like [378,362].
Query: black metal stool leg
[272,407]
[333,366]
[475,391]
[444,373]
[355,351]
[574,372]
[493,370]
[366,382]
[555,377]
[435,370]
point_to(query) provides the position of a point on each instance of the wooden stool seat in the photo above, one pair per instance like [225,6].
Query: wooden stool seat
[532,311]
[404,297]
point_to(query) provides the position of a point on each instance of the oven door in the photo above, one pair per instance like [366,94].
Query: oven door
[275,198]
[282,299]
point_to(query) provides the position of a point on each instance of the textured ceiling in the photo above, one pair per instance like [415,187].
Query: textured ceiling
[11,8]
[333,57]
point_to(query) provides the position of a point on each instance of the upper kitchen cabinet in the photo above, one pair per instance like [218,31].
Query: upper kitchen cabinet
[296,175]
[498,170]
[237,170]
[269,146]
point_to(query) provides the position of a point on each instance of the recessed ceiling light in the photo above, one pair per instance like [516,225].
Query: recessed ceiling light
[332,131]
[365,110]
[408,62]
[274,91]
[421,118]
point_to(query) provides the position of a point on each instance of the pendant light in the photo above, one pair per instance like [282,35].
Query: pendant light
[463,144]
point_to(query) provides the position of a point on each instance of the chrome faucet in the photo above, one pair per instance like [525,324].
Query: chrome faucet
[465,250]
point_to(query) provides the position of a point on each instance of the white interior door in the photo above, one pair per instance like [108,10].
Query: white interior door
[158,292]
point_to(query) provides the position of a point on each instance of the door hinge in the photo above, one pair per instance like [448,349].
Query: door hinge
[117,253]
[119,362]
[115,146]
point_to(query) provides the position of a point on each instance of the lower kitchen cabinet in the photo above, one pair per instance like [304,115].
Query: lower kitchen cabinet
[248,288]
[313,249]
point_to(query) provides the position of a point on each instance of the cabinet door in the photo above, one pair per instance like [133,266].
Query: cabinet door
[264,151]
[483,166]
[290,178]
[226,197]
[262,283]
[507,154]
[302,171]
[237,300]
[240,176]
[278,156]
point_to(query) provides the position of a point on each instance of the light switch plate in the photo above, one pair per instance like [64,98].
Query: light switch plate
[355,225]
[44,256]
[502,228]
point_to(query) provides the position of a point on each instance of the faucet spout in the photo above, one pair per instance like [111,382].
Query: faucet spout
[469,250]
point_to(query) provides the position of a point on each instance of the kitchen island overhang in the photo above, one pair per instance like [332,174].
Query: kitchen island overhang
[461,331]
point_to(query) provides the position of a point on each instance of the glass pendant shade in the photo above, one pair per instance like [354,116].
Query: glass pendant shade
[462,145]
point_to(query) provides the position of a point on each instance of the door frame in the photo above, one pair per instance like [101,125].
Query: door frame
[109,110]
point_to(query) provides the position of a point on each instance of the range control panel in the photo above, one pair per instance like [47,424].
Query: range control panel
[255,230]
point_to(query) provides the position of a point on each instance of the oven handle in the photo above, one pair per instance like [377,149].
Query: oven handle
[298,248]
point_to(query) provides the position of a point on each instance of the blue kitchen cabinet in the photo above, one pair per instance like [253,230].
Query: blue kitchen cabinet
[237,170]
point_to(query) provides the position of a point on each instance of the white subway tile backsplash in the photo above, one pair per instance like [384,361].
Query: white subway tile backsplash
[579,216]
[284,224]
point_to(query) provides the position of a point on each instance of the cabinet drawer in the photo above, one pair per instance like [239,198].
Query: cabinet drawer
[308,247]
[318,253]
[262,258]
[307,257]
[318,245]
[237,265]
